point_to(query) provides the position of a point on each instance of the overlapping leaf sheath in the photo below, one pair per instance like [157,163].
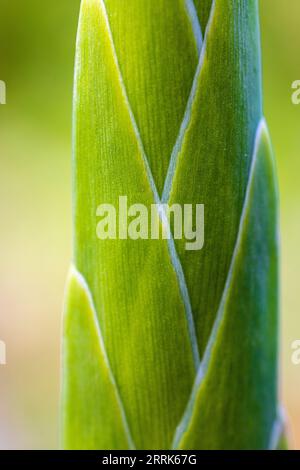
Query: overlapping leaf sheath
[233,404]
[162,346]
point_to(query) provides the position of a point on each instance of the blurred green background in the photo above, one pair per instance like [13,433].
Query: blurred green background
[36,61]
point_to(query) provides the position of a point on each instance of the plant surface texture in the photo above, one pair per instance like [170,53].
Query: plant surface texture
[166,348]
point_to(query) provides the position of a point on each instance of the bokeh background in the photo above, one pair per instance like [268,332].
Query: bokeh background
[36,61]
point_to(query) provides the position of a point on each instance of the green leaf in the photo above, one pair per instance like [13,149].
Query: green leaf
[89,380]
[203,8]
[283,443]
[211,160]
[163,346]
[157,54]
[137,285]
[234,400]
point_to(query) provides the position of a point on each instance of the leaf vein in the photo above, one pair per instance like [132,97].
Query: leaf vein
[81,280]
[192,14]
[187,115]
[172,250]
[204,365]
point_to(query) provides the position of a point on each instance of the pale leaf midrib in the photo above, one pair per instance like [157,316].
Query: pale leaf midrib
[195,24]
[277,430]
[83,283]
[172,250]
[187,115]
[204,365]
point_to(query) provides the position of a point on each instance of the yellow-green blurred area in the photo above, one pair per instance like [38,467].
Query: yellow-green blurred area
[37,41]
